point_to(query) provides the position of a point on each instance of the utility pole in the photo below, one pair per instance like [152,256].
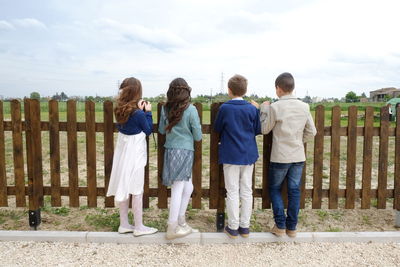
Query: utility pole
[222,83]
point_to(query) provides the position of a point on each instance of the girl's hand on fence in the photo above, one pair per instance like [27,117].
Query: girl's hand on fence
[147,106]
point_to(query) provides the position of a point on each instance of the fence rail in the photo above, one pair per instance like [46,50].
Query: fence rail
[30,130]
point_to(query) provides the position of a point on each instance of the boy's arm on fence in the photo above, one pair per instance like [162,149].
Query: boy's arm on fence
[267,118]
[309,130]
[162,122]
[195,125]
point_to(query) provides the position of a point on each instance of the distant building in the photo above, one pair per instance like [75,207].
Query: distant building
[363,99]
[316,99]
[381,94]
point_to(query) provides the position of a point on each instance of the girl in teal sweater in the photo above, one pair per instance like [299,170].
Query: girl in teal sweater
[180,122]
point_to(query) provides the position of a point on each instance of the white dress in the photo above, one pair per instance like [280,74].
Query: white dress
[127,174]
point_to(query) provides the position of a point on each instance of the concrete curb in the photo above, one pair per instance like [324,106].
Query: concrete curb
[197,238]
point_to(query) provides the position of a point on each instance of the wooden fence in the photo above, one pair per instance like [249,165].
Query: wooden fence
[31,128]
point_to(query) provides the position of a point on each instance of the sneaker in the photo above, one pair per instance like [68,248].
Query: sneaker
[277,231]
[123,230]
[189,228]
[148,231]
[231,233]
[291,233]
[179,231]
[244,232]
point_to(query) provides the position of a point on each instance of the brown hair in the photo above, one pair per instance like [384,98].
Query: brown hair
[130,92]
[285,81]
[178,99]
[238,85]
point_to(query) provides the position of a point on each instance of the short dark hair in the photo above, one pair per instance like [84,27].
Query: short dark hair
[285,81]
[238,85]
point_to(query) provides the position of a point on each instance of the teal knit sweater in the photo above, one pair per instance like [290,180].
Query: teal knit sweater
[187,130]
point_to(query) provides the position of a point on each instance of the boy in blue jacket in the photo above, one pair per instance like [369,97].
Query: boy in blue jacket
[238,123]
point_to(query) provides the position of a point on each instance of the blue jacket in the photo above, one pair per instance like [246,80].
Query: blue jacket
[138,121]
[184,132]
[238,123]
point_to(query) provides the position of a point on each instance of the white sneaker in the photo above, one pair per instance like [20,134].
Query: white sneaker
[189,228]
[178,232]
[123,230]
[149,231]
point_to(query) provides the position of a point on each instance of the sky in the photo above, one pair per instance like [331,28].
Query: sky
[88,47]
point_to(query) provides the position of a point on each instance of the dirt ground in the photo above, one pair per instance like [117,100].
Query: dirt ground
[107,219]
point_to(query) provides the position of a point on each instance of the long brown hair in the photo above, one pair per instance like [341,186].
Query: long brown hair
[130,92]
[178,99]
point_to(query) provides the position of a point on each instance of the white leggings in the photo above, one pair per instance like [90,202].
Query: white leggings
[180,196]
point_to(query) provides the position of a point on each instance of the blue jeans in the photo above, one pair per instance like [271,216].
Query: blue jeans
[277,174]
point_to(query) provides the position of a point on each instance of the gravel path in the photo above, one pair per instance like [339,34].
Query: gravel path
[268,254]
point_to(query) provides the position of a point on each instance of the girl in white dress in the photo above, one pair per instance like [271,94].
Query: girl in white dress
[134,122]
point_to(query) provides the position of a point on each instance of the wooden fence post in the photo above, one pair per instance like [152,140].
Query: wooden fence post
[397,168]
[335,158]
[267,146]
[351,157]
[91,153]
[72,154]
[54,137]
[318,157]
[3,177]
[18,155]
[383,157]
[108,120]
[34,156]
[162,189]
[197,165]
[367,158]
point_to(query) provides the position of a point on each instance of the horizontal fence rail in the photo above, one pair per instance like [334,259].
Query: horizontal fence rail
[27,159]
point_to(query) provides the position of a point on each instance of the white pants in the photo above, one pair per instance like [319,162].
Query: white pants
[238,184]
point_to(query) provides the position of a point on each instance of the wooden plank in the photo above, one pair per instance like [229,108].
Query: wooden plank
[383,157]
[367,158]
[72,154]
[162,189]
[18,155]
[267,146]
[214,166]
[146,186]
[197,165]
[91,153]
[108,115]
[335,158]
[34,134]
[396,204]
[318,157]
[303,181]
[54,136]
[351,158]
[3,176]
[29,154]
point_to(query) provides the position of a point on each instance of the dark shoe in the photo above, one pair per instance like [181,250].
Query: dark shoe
[291,233]
[231,233]
[277,231]
[244,232]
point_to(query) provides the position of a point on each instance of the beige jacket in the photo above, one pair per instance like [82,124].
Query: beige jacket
[292,125]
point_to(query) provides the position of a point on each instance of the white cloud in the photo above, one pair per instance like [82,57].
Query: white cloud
[29,23]
[156,37]
[4,25]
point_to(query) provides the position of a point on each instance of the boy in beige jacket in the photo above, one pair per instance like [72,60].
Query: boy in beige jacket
[291,122]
